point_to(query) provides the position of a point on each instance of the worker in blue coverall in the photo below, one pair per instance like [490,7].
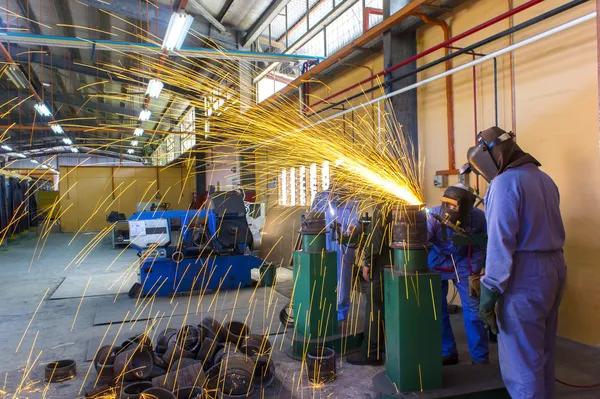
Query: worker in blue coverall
[525,269]
[458,263]
[340,214]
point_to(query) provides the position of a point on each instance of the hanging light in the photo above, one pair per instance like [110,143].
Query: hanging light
[42,109]
[138,132]
[5,147]
[74,149]
[44,166]
[17,76]
[130,151]
[145,114]
[177,30]
[155,86]
[18,154]
[56,128]
[67,141]
[33,161]
[134,142]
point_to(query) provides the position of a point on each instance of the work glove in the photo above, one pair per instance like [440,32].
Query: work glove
[475,284]
[487,306]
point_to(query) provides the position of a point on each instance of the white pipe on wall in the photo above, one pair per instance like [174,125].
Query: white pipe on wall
[498,53]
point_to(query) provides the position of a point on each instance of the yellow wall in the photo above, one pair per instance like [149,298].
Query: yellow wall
[556,114]
[87,192]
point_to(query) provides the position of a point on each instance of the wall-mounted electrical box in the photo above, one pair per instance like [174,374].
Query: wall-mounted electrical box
[440,181]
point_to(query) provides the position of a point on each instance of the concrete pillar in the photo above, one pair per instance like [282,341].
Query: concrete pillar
[396,48]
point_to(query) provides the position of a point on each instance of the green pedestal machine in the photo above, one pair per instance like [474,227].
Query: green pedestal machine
[315,293]
[413,325]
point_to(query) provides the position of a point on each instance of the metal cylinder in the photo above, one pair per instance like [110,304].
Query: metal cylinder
[313,243]
[134,364]
[313,223]
[410,227]
[320,363]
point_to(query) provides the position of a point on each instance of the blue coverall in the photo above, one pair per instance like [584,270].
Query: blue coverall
[345,213]
[525,264]
[440,260]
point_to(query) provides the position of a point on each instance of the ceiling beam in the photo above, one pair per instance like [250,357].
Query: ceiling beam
[63,63]
[151,48]
[263,22]
[159,14]
[74,101]
[196,6]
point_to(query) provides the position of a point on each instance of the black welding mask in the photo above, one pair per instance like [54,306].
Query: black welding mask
[487,157]
[457,204]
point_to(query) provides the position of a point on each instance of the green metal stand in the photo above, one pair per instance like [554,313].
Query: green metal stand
[315,300]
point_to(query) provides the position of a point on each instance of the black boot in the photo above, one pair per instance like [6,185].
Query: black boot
[359,359]
[450,360]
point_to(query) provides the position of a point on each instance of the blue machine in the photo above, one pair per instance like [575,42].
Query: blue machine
[211,251]
[339,215]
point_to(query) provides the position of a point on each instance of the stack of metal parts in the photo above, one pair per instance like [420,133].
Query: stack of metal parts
[204,361]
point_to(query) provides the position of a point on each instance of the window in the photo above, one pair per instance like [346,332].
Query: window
[313,181]
[268,86]
[325,175]
[188,124]
[302,184]
[293,186]
[283,188]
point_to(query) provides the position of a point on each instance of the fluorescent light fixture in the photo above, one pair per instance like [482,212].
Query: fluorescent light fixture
[67,141]
[145,114]
[178,28]
[17,76]
[5,147]
[44,166]
[33,161]
[74,149]
[134,142]
[130,151]
[45,84]
[138,132]
[155,86]
[42,109]
[56,128]
[18,154]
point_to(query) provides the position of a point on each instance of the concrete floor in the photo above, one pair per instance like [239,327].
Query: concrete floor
[26,283]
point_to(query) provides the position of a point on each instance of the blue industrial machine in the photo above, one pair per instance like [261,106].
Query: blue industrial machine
[211,251]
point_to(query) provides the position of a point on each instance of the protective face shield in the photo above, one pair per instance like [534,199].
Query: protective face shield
[480,158]
[457,204]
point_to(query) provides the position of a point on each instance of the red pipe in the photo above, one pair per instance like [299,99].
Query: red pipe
[436,47]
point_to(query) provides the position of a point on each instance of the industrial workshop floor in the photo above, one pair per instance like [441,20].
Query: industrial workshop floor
[35,329]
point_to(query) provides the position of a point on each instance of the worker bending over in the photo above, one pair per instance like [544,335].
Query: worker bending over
[375,254]
[525,269]
[458,258]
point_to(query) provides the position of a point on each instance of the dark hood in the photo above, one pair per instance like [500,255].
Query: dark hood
[507,154]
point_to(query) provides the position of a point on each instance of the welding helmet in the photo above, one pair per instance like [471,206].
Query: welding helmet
[457,204]
[485,159]
[496,151]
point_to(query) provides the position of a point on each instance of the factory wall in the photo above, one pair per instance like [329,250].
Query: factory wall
[555,118]
[86,197]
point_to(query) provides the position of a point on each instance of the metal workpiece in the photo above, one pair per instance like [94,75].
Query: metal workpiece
[60,370]
[313,223]
[134,364]
[410,227]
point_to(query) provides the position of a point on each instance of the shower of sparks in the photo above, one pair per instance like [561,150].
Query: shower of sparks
[372,164]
